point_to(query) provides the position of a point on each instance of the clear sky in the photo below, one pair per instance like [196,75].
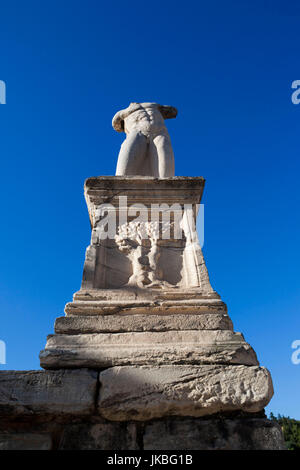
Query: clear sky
[228,68]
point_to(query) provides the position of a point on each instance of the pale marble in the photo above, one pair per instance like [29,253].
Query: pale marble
[147,149]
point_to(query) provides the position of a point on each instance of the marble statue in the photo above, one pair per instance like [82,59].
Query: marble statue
[147,149]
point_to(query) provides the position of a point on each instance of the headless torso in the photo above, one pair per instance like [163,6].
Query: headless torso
[147,149]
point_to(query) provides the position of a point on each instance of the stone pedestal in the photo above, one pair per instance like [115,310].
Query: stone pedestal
[66,409]
[146,314]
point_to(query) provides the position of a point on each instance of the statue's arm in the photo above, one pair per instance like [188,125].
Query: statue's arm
[118,121]
[168,112]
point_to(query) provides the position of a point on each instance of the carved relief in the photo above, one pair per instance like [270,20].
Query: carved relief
[140,242]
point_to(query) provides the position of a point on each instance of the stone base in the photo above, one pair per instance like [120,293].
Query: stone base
[173,373]
[101,350]
[219,433]
[80,409]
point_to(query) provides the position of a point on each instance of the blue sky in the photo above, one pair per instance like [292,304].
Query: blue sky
[228,68]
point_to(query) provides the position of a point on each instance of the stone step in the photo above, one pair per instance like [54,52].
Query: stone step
[101,350]
[144,393]
[136,294]
[126,323]
[144,307]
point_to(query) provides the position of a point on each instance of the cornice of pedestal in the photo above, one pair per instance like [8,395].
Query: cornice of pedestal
[142,190]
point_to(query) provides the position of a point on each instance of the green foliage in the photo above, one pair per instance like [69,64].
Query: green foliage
[291,430]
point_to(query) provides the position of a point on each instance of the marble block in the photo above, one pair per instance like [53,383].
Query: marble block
[147,348]
[144,393]
[77,324]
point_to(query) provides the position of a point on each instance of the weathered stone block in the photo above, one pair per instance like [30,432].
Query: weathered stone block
[108,266]
[147,348]
[25,441]
[133,301]
[127,323]
[100,436]
[47,392]
[143,393]
[213,434]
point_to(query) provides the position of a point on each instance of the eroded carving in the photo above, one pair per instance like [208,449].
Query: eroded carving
[140,242]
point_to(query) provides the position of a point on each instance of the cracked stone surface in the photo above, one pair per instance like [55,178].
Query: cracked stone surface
[47,392]
[144,393]
[127,323]
[43,410]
